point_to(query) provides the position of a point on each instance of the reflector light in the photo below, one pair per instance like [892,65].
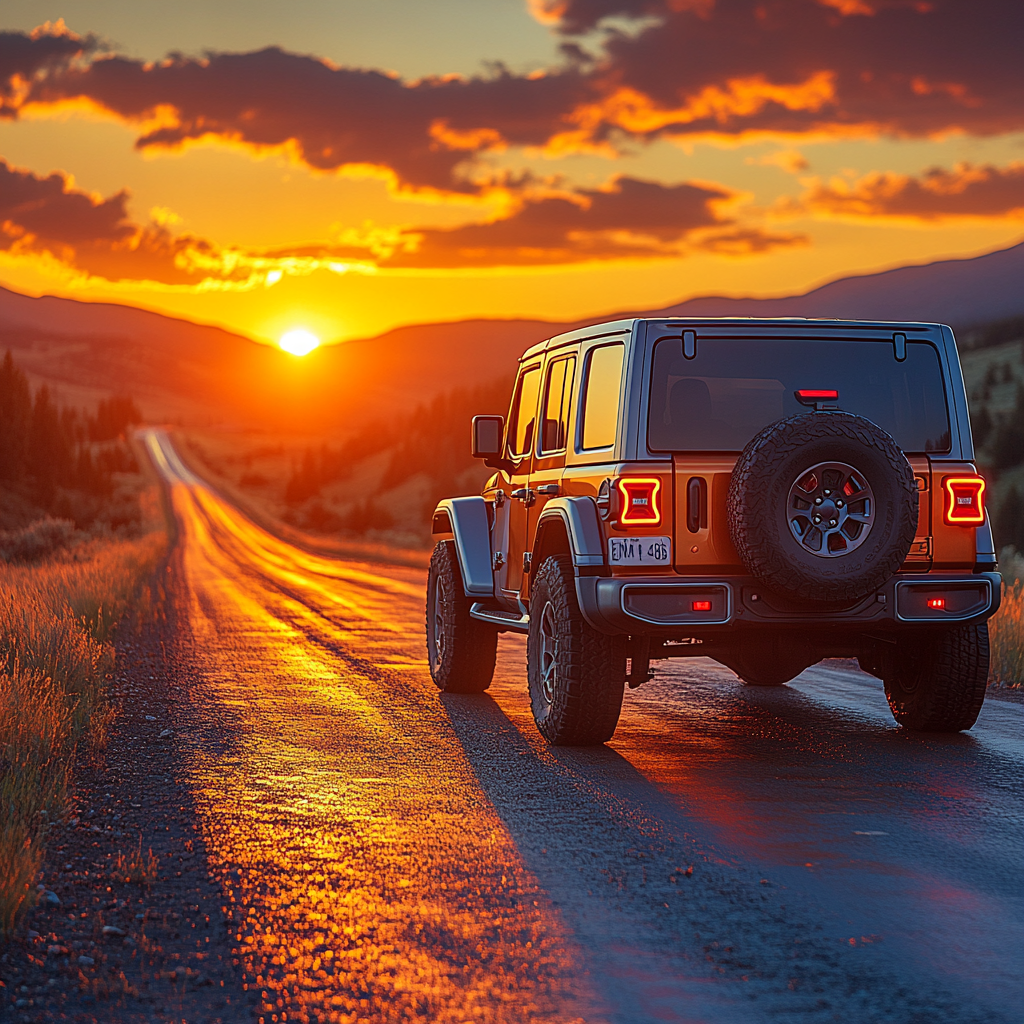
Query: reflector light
[817,395]
[937,602]
[701,606]
[639,501]
[965,500]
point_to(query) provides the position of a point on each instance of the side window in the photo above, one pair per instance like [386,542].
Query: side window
[522,421]
[601,396]
[555,414]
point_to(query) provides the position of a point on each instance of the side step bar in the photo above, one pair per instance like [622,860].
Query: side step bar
[507,622]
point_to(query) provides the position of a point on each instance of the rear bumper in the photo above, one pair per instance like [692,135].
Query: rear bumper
[686,606]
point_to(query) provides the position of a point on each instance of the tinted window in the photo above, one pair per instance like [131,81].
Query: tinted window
[524,412]
[601,396]
[555,416]
[719,400]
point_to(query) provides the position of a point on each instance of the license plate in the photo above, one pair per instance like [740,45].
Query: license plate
[639,551]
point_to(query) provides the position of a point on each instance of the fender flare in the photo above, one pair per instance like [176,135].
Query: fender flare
[470,526]
[580,519]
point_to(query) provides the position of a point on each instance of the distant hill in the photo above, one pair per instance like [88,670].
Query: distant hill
[203,375]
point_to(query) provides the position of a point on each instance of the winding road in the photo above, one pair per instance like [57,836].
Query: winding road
[735,854]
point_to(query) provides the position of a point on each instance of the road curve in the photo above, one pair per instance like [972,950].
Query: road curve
[391,854]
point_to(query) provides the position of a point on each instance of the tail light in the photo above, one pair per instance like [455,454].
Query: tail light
[965,500]
[640,505]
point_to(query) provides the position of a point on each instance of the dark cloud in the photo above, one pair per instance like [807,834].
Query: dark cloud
[629,219]
[332,117]
[24,57]
[47,216]
[795,66]
[965,192]
[688,68]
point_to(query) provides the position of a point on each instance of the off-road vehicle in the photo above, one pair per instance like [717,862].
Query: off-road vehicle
[766,493]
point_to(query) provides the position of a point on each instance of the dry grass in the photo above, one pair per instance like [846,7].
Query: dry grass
[56,619]
[1006,628]
[137,868]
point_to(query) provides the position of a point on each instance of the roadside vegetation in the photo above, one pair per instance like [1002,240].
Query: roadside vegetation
[83,530]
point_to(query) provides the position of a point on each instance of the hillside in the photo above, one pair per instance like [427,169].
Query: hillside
[207,376]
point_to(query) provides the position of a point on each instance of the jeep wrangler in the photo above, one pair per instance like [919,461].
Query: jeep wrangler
[766,493]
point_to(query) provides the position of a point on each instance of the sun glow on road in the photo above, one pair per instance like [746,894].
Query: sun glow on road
[299,342]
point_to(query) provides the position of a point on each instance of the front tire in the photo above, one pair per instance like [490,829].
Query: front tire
[936,682]
[461,651]
[576,674]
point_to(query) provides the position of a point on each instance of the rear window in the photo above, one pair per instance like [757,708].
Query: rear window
[733,388]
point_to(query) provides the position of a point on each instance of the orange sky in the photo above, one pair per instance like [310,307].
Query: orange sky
[626,154]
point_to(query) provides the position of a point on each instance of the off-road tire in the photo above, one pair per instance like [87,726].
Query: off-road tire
[463,661]
[936,682]
[585,693]
[757,506]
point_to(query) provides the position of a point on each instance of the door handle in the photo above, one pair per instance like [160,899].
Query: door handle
[524,494]
[551,489]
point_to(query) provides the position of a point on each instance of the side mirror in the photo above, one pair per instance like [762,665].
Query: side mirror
[487,434]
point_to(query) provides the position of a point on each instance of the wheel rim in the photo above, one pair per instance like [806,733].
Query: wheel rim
[440,636]
[830,509]
[548,653]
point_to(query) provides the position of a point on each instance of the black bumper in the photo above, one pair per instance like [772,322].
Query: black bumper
[683,606]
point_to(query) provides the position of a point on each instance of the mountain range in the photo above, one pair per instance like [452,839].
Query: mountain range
[202,375]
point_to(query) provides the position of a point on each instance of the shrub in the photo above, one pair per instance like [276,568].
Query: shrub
[1006,627]
[38,540]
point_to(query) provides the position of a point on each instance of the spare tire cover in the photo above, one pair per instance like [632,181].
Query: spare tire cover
[823,506]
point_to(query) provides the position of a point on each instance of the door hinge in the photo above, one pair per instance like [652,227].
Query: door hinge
[499,498]
[527,559]
[497,561]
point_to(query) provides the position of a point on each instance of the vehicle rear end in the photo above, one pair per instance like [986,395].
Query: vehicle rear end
[883,550]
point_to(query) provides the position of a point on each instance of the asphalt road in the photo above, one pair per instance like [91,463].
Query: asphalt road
[394,854]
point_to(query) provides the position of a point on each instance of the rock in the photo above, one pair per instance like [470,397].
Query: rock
[109,930]
[51,898]
[86,961]
[32,935]
[56,950]
[166,733]
[150,718]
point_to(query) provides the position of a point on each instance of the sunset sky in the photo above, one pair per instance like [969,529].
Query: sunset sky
[345,166]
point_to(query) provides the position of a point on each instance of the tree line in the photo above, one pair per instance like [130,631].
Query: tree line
[56,459]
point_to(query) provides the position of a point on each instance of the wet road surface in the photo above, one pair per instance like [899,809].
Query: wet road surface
[392,854]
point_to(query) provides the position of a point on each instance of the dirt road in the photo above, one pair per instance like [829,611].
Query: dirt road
[391,854]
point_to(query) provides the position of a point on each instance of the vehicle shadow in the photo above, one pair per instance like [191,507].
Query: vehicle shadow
[744,783]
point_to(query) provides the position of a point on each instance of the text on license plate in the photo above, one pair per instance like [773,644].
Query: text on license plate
[639,551]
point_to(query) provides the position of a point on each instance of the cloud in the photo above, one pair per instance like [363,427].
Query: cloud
[50,217]
[966,192]
[687,69]
[627,219]
[24,57]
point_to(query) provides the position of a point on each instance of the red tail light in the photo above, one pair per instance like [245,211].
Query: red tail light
[807,395]
[938,603]
[701,606]
[640,505]
[965,500]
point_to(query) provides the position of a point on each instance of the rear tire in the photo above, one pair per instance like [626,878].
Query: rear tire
[936,682]
[576,674]
[461,651]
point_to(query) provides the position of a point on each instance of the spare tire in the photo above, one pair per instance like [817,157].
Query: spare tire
[822,507]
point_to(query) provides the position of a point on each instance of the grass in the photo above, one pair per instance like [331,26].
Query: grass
[56,621]
[1006,628]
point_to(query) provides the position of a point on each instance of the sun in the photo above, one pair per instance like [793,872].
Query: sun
[299,342]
